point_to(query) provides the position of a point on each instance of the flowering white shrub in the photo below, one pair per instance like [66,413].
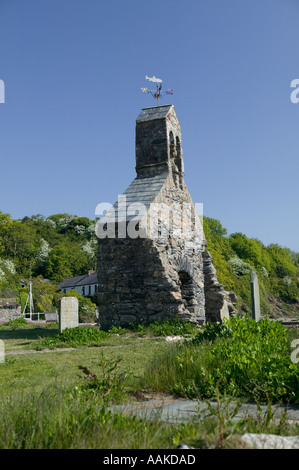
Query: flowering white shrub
[264,272]
[287,280]
[64,221]
[91,229]
[90,247]
[239,266]
[2,275]
[80,229]
[8,265]
[43,252]
[51,223]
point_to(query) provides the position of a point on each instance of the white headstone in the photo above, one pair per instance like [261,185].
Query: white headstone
[68,313]
[2,351]
[255,297]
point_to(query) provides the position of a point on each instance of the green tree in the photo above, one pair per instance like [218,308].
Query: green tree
[5,225]
[66,261]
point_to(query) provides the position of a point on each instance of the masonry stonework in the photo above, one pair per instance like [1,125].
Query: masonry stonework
[152,258]
[9,310]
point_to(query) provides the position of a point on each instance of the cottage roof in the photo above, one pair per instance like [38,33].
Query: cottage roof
[84,280]
[71,281]
[89,280]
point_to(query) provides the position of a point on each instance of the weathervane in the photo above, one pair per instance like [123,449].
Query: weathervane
[156,93]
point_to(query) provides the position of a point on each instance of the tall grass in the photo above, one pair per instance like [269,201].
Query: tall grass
[60,419]
[242,358]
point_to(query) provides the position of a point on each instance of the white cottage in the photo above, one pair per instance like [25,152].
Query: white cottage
[86,285]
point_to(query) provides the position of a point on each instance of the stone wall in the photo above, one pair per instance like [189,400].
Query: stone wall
[9,310]
[219,303]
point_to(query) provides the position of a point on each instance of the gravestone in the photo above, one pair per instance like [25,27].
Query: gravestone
[51,317]
[2,351]
[255,297]
[68,313]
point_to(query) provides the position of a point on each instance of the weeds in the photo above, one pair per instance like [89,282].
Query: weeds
[247,359]
[111,383]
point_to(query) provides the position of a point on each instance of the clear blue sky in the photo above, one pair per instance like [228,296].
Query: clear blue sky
[73,70]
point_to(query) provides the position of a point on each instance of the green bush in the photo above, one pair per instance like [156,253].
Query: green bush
[243,358]
[74,337]
[109,383]
[17,323]
[116,329]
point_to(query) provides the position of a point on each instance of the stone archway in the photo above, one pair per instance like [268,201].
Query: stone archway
[187,287]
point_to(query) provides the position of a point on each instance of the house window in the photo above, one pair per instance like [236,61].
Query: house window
[89,290]
[83,290]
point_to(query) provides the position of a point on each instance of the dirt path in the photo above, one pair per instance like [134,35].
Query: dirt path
[33,351]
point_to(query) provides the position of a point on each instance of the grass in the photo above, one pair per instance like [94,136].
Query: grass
[60,399]
[26,336]
[242,358]
[60,419]
[33,371]
[65,418]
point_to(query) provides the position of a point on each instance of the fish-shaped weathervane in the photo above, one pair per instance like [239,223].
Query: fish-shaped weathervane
[156,93]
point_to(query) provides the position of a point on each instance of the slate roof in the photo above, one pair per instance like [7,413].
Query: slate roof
[141,190]
[155,112]
[88,280]
[79,281]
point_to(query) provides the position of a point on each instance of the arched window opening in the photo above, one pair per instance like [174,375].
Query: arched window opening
[172,145]
[187,287]
[171,138]
[178,146]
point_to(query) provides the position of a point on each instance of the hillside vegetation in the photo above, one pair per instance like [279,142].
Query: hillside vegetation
[65,245]
[236,256]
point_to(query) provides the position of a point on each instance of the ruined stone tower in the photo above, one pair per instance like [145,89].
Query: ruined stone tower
[152,262]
